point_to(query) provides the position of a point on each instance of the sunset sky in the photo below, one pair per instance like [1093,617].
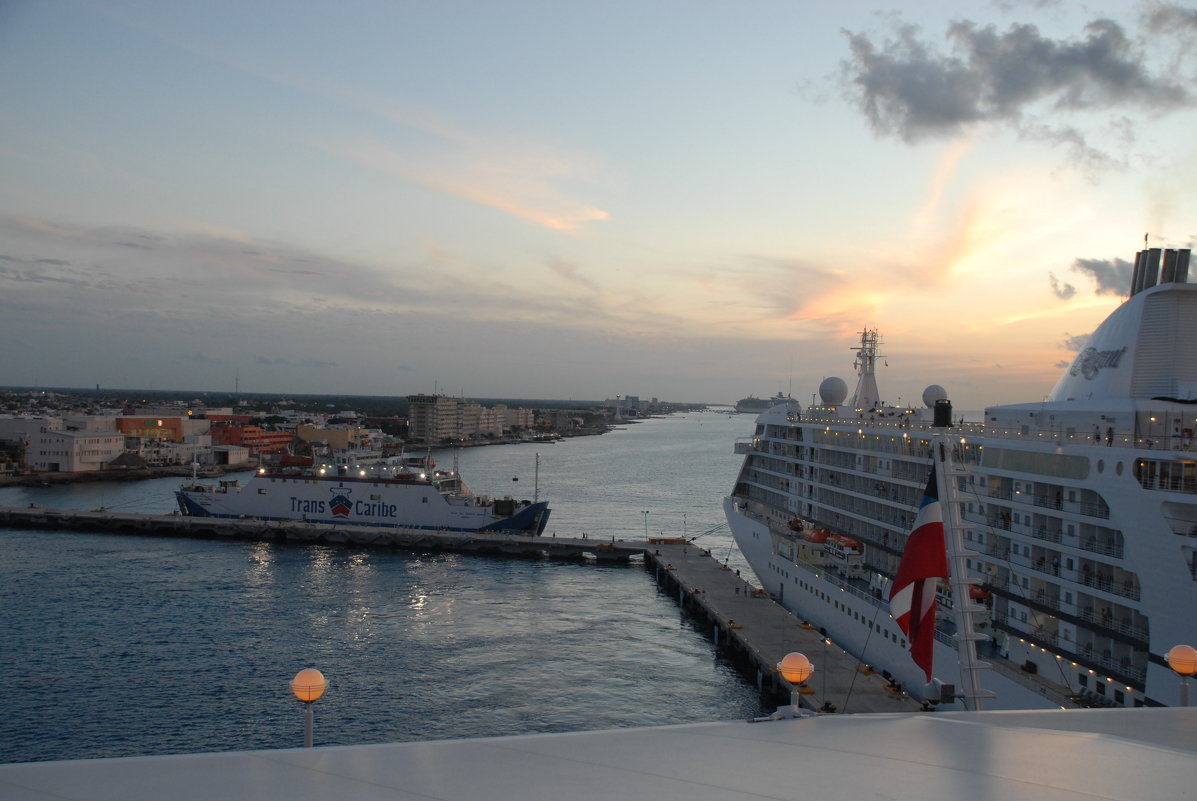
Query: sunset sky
[686,200]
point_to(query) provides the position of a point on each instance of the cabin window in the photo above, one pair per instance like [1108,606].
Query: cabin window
[424,499]
[261,490]
[1071,496]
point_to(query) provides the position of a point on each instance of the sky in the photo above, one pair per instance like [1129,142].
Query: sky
[681,199]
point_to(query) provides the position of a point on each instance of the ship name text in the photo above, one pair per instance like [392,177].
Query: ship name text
[1090,361]
[362,508]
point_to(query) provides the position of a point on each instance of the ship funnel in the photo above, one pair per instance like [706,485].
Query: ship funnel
[1151,273]
[943,414]
[1136,275]
[1148,270]
[1182,266]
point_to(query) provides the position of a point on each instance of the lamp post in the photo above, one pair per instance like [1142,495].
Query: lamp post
[308,685]
[795,668]
[645,513]
[1183,660]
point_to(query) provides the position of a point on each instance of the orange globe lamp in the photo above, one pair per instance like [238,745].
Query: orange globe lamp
[308,685]
[1183,661]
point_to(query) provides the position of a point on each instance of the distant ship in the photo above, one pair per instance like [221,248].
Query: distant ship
[404,495]
[755,405]
[1079,513]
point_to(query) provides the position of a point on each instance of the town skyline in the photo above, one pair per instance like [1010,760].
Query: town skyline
[503,201]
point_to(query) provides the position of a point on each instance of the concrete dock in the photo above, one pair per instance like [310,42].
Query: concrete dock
[754,629]
[301,532]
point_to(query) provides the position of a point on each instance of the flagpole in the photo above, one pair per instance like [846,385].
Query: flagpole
[946,451]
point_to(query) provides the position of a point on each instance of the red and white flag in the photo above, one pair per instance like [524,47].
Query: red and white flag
[924,563]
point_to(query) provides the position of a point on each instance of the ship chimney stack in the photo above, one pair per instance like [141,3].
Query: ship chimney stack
[1151,275]
[1182,266]
[1136,275]
[1168,274]
[943,414]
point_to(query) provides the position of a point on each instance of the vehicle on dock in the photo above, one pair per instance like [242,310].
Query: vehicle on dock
[402,494]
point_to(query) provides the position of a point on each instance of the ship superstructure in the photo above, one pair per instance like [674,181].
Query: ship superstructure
[1079,513]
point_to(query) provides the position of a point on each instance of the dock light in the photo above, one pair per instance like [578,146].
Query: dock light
[1183,661]
[308,685]
[795,668]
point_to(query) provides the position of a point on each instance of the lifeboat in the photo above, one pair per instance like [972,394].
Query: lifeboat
[816,535]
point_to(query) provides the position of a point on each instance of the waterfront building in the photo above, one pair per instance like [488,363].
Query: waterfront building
[59,451]
[255,439]
[342,438]
[440,418]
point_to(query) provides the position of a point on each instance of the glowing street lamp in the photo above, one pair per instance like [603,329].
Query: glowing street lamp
[308,685]
[1183,660]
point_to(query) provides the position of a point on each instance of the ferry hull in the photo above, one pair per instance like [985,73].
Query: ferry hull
[408,505]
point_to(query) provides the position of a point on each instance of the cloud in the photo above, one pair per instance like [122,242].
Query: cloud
[1171,18]
[1075,343]
[1063,290]
[279,361]
[909,89]
[1112,276]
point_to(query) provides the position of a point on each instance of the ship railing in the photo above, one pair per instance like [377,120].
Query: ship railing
[1085,613]
[1093,545]
[1126,589]
[1042,638]
[1107,621]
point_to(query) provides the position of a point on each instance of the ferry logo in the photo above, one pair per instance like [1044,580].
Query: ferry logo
[1090,361]
[340,503]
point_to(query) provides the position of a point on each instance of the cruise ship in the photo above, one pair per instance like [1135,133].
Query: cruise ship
[1077,515]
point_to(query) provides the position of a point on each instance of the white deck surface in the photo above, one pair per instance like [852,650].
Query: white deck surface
[1047,756]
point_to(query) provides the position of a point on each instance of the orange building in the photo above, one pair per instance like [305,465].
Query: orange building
[253,438]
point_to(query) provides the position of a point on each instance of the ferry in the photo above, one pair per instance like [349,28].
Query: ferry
[407,494]
[1076,516]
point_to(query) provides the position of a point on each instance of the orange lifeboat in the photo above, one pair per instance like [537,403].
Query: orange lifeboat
[816,535]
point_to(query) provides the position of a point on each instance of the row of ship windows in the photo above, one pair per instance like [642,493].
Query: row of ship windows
[877,627]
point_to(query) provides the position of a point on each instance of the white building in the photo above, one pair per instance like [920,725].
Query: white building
[72,451]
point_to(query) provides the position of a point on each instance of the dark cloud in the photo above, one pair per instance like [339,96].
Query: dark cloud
[1112,276]
[1063,290]
[911,90]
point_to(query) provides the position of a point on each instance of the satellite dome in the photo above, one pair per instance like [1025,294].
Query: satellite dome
[934,393]
[833,391]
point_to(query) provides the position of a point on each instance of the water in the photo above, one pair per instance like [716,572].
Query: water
[116,646]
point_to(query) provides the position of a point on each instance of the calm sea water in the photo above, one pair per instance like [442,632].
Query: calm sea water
[115,646]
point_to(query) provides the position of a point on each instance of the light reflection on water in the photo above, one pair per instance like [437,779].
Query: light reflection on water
[116,645]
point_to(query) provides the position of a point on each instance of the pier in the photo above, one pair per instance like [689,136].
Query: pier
[308,533]
[758,632]
[746,624]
